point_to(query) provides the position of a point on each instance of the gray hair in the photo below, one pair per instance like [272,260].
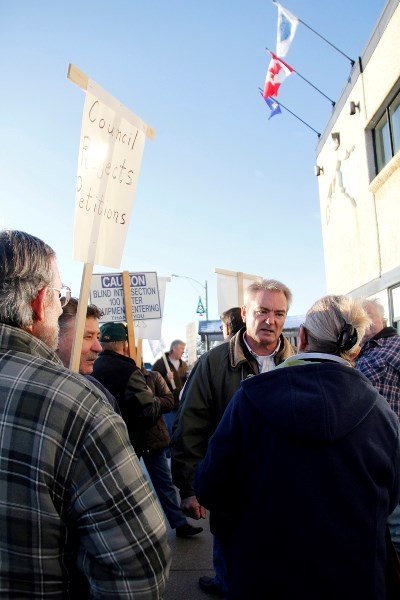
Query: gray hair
[267,285]
[375,303]
[70,310]
[336,325]
[25,269]
[176,343]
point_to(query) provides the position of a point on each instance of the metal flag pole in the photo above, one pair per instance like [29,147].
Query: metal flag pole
[292,113]
[304,79]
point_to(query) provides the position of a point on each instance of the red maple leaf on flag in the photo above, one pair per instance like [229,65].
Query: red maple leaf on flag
[277,72]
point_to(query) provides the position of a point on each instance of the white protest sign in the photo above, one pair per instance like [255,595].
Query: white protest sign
[150,329]
[110,154]
[106,292]
[231,286]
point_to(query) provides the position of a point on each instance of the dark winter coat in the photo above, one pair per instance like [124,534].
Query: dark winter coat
[157,436]
[120,375]
[304,468]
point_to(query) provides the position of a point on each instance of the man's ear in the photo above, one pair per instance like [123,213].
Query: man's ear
[303,338]
[38,304]
[243,313]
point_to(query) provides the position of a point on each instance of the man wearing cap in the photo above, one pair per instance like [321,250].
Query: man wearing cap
[117,371]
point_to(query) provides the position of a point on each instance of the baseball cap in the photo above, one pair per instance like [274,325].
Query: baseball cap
[113,332]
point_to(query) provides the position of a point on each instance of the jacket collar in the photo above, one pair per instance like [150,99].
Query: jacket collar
[238,352]
[18,340]
[384,333]
[112,354]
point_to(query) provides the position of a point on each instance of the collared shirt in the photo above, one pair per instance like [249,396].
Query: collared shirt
[379,360]
[77,515]
[265,363]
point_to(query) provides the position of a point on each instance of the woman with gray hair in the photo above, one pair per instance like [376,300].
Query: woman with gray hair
[334,326]
[304,467]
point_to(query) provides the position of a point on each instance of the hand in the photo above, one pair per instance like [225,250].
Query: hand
[191,508]
[170,375]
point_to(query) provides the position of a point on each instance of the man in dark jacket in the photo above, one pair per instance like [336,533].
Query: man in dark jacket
[257,347]
[304,469]
[119,374]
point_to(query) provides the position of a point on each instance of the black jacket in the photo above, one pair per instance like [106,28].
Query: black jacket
[304,471]
[120,375]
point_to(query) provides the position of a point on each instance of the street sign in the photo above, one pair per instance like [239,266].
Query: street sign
[106,292]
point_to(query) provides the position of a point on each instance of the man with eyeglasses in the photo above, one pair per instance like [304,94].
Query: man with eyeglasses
[78,517]
[256,348]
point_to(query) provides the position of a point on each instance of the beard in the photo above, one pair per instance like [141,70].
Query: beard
[48,334]
[48,330]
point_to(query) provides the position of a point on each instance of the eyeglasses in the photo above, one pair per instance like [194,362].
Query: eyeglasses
[64,294]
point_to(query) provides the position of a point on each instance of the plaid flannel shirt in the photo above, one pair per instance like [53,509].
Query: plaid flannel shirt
[77,515]
[379,360]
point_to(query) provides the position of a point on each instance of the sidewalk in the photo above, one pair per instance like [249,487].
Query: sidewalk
[191,558]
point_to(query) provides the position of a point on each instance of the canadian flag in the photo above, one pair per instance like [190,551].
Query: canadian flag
[277,72]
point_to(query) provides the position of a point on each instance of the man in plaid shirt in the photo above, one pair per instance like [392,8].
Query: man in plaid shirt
[77,515]
[379,360]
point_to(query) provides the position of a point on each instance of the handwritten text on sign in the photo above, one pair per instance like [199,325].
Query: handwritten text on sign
[106,292]
[110,154]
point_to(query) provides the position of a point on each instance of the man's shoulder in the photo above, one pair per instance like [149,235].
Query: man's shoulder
[153,375]
[59,384]
[215,360]
[287,350]
[117,360]
[216,354]
[157,364]
[380,347]
[389,347]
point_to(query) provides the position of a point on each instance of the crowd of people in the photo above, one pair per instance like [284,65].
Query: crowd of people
[295,452]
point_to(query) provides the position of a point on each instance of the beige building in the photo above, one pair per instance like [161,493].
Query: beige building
[358,168]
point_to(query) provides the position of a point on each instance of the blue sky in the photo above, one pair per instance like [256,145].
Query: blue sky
[221,186]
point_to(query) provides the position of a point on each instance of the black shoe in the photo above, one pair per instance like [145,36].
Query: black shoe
[207,584]
[187,530]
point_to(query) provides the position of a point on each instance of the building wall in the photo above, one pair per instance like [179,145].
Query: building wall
[360,211]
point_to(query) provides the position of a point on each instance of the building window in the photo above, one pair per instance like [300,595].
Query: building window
[387,134]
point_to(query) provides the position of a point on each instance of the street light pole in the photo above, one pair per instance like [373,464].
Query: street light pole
[206,294]
[205,288]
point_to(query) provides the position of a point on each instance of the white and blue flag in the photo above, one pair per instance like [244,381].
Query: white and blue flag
[287,25]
